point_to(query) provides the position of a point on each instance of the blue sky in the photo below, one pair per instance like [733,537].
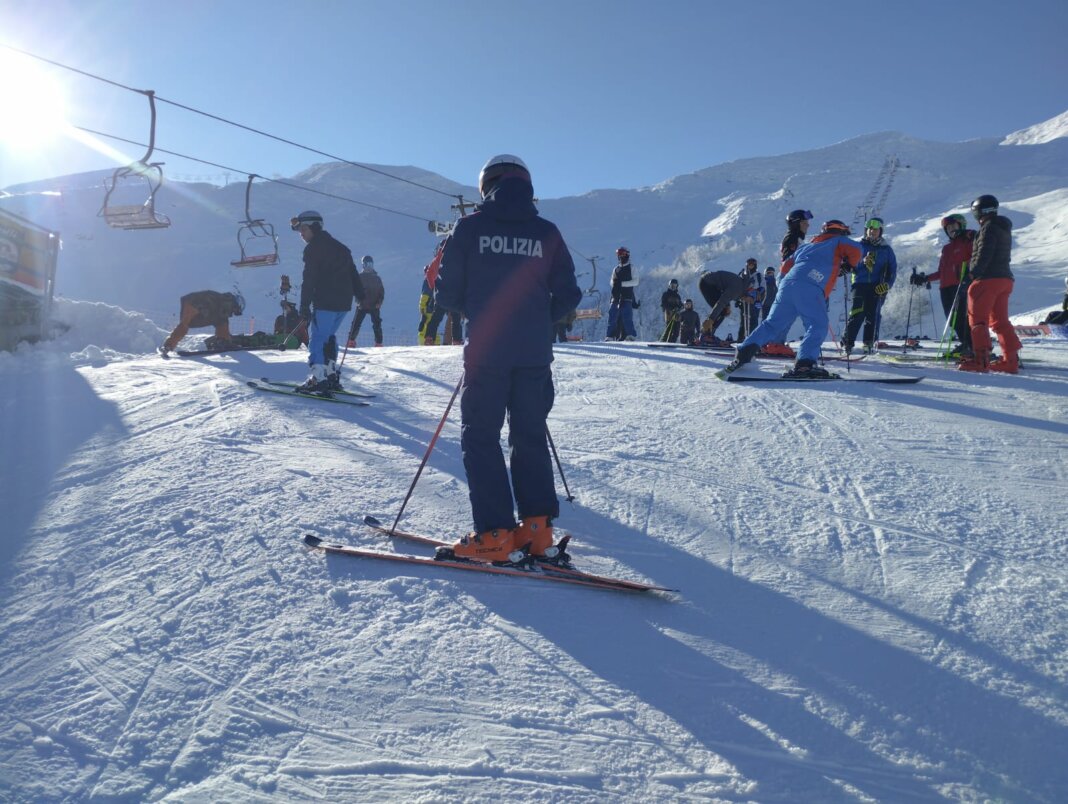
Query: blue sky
[591,94]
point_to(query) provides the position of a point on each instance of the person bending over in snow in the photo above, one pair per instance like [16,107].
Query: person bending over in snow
[206,308]
[810,276]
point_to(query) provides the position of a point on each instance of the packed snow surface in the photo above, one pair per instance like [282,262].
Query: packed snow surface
[872,598]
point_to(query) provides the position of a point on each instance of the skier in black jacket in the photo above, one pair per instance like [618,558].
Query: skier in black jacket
[671,304]
[329,284]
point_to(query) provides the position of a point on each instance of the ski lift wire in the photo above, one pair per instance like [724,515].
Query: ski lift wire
[220,119]
[246,172]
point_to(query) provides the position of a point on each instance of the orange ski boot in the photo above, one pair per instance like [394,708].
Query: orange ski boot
[489,546]
[1009,364]
[980,362]
[538,532]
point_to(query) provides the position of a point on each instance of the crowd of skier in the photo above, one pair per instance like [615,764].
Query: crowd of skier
[507,274]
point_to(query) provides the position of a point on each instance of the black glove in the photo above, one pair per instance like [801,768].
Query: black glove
[882,289]
[637,304]
[919,280]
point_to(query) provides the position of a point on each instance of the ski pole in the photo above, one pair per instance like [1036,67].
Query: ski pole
[559,467]
[930,301]
[352,336]
[291,334]
[908,318]
[943,342]
[426,457]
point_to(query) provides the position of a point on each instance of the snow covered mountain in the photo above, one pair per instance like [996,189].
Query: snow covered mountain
[710,219]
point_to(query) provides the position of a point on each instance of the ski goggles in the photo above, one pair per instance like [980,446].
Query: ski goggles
[874,223]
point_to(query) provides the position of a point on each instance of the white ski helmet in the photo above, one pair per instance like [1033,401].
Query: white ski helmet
[498,166]
[307,218]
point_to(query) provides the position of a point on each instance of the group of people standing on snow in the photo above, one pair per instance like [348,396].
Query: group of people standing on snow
[974,275]
[508,272]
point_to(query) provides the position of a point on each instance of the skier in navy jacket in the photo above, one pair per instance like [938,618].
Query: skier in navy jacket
[509,272]
[872,281]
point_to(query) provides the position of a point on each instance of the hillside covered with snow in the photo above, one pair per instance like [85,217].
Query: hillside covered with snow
[871,604]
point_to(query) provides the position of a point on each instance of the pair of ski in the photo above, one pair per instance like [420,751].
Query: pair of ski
[535,569]
[723,374]
[290,388]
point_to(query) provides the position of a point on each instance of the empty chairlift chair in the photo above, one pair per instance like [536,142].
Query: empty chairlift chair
[131,182]
[255,238]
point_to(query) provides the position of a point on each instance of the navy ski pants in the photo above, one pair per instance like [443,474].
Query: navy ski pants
[526,396]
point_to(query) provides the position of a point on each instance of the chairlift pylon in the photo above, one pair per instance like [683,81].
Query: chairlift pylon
[137,216]
[256,230]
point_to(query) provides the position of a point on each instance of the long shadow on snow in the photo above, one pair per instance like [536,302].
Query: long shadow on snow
[47,416]
[965,733]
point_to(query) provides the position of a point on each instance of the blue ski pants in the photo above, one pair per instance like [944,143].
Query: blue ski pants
[322,331]
[793,300]
[525,396]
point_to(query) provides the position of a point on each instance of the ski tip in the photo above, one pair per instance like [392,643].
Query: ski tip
[371,521]
[312,541]
[252,384]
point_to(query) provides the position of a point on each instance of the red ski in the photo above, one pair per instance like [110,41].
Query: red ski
[535,572]
[569,572]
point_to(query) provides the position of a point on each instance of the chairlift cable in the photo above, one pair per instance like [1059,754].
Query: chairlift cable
[229,122]
[237,170]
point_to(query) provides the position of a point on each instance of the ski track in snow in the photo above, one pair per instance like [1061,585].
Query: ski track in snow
[873,590]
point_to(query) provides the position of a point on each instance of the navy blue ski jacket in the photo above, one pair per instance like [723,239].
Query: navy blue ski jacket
[508,271]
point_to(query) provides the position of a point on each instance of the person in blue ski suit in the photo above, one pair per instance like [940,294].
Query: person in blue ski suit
[810,275]
[872,281]
[509,272]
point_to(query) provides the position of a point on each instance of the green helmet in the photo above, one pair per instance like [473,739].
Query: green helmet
[956,218]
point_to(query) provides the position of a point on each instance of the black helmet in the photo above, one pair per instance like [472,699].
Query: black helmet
[799,215]
[497,167]
[984,205]
[835,227]
[673,283]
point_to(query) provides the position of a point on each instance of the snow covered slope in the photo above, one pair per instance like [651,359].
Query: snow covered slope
[872,605]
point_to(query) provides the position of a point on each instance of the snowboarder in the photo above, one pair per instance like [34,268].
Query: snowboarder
[871,282]
[953,277]
[989,291]
[621,313]
[206,308]
[720,288]
[330,282]
[671,305]
[689,322]
[374,293]
[509,272]
[811,273]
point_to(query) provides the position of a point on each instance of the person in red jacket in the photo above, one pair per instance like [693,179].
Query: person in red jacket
[953,277]
[988,294]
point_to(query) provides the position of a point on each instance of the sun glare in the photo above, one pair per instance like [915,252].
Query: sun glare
[32,105]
